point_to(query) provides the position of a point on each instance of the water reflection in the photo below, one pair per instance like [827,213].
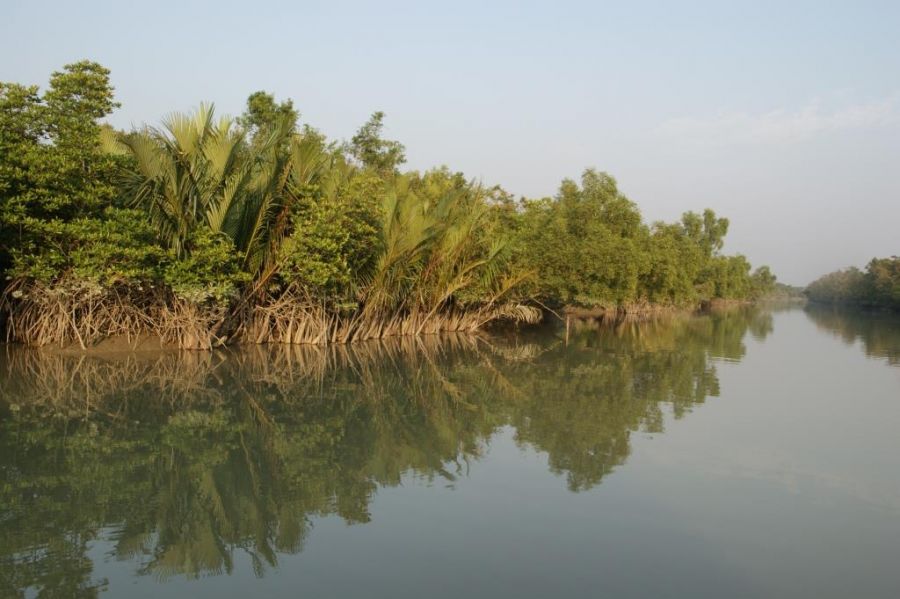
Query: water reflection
[184,459]
[879,332]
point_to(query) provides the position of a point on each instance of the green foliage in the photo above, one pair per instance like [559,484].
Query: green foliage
[585,244]
[211,208]
[763,282]
[210,272]
[434,247]
[842,286]
[372,151]
[119,247]
[264,116]
[198,172]
[589,247]
[707,231]
[883,282]
[52,166]
[878,286]
[334,240]
[727,277]
[675,263]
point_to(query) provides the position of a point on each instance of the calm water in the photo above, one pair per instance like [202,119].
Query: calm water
[748,454]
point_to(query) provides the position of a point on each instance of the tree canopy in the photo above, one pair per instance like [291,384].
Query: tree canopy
[209,228]
[877,286]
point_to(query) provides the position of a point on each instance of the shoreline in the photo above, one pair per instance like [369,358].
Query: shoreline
[148,343]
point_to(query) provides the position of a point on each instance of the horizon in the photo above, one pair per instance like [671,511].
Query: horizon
[779,124]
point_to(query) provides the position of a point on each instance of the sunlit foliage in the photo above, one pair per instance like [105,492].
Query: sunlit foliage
[259,228]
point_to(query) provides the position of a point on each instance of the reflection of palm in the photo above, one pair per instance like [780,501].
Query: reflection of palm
[196,458]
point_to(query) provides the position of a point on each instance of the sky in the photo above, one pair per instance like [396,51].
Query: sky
[782,116]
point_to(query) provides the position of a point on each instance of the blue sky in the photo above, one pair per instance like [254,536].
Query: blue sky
[783,116]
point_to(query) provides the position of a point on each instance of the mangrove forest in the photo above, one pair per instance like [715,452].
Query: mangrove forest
[207,229]
[878,286]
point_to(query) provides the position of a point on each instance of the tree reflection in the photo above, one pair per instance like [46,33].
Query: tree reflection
[879,332]
[182,460]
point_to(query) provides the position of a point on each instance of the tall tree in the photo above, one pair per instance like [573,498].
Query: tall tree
[52,166]
[368,147]
[199,174]
[263,115]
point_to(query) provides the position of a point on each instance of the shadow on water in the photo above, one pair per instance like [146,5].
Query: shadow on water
[180,460]
[878,332]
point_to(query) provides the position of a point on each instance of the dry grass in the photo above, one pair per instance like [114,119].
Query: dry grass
[83,315]
[40,315]
[294,319]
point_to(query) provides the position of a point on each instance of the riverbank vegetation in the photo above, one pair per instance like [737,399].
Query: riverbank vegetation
[209,229]
[878,286]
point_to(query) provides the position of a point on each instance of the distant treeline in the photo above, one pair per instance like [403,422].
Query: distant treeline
[209,229]
[783,292]
[878,286]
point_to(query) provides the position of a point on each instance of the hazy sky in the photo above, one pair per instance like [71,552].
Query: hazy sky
[783,116]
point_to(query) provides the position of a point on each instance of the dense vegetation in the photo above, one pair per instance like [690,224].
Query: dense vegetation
[878,286]
[209,229]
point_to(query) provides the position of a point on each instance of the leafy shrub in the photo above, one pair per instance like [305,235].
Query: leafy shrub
[210,272]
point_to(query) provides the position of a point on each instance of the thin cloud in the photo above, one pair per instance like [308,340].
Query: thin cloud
[779,126]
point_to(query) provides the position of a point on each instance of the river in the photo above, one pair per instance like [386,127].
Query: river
[747,453]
